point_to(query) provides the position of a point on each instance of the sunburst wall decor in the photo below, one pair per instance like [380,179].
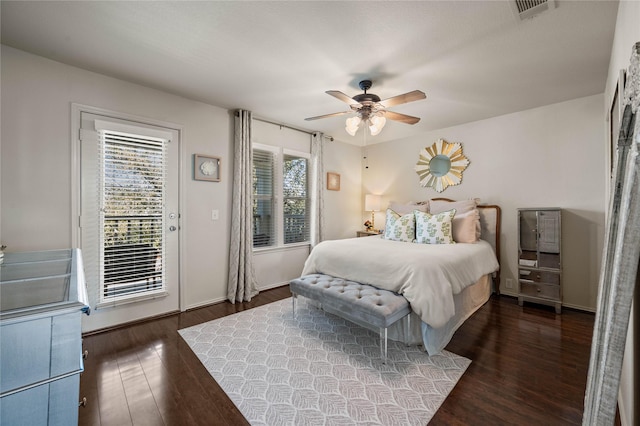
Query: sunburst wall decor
[441,165]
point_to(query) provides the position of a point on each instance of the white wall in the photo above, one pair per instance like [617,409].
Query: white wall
[626,35]
[36,168]
[343,208]
[36,162]
[544,157]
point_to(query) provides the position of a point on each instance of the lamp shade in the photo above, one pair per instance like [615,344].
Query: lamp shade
[377,123]
[372,203]
[352,125]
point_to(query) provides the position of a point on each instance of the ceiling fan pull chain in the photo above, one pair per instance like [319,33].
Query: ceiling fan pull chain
[366,150]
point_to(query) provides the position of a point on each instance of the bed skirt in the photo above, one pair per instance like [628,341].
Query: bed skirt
[435,339]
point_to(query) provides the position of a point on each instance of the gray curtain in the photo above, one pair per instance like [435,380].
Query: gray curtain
[317,189]
[242,277]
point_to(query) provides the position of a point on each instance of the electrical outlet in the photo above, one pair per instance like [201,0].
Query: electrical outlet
[509,283]
[215,214]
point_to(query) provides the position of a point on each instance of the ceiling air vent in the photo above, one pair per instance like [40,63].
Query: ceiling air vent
[526,9]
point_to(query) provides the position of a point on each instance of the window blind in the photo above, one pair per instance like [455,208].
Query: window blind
[296,203]
[132,211]
[264,231]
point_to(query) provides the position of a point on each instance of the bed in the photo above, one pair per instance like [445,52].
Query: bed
[444,283]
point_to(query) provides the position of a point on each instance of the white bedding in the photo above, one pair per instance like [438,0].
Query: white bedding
[427,275]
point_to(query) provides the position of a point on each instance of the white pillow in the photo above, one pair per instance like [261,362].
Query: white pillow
[434,229]
[462,207]
[400,228]
[409,207]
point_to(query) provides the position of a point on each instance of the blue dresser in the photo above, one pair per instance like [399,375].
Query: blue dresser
[42,298]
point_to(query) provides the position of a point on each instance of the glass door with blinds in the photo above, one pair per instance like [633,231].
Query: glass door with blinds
[129,213]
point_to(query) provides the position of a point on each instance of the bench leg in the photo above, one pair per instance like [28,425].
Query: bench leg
[293,300]
[407,330]
[383,344]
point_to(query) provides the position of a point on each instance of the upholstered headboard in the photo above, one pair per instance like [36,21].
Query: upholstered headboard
[490,230]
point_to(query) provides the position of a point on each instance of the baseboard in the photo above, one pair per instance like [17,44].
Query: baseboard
[224,299]
[564,305]
[204,304]
[270,286]
[579,307]
[130,323]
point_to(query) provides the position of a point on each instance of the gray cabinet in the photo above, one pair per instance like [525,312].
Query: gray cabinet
[540,256]
[43,299]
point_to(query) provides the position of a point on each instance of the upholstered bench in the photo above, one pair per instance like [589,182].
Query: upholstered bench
[362,304]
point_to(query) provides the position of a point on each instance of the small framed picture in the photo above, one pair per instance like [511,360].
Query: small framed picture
[333,181]
[206,167]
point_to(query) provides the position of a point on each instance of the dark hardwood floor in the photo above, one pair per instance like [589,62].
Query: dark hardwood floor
[529,368]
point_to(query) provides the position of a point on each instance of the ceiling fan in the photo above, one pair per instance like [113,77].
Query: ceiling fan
[371,110]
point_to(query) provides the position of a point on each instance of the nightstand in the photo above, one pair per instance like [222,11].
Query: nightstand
[366,233]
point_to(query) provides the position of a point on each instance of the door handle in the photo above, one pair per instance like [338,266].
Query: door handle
[172,228]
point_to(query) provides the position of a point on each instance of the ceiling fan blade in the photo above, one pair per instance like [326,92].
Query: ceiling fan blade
[416,95]
[344,98]
[403,118]
[335,114]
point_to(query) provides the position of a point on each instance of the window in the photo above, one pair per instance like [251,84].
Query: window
[280,174]
[263,201]
[295,200]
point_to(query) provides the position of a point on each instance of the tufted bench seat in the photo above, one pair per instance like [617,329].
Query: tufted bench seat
[359,303]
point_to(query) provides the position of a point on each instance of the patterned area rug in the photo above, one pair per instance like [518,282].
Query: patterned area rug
[319,369]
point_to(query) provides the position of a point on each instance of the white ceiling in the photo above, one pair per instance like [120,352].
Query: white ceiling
[473,59]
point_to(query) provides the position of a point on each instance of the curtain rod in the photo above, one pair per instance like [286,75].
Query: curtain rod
[263,120]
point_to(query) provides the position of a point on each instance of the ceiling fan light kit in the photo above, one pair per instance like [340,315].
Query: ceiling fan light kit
[371,110]
[352,125]
[375,123]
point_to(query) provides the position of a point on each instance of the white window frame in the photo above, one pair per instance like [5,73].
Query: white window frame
[278,193]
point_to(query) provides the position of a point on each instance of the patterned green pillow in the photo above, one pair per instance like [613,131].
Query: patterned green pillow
[434,228]
[400,228]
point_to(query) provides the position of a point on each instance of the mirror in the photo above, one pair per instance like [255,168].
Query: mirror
[621,256]
[441,165]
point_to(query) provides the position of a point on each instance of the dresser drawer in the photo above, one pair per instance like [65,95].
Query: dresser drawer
[540,276]
[36,350]
[25,350]
[54,404]
[545,291]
